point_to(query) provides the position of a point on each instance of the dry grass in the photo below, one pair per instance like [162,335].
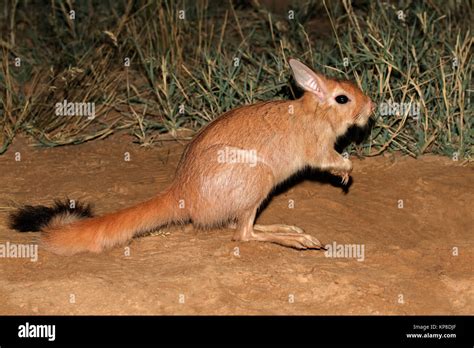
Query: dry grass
[185,72]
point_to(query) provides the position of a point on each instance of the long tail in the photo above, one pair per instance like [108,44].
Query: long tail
[66,232]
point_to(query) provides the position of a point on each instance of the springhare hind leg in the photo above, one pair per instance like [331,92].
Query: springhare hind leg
[289,236]
[244,227]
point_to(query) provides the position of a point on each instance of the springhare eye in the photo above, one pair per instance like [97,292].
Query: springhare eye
[342,99]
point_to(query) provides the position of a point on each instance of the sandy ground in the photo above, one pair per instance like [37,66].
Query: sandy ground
[417,259]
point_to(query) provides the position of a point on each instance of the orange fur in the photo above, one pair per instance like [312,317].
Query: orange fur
[64,237]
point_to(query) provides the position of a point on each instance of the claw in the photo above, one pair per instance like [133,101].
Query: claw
[345,179]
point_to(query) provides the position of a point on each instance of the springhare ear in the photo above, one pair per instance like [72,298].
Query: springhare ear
[308,79]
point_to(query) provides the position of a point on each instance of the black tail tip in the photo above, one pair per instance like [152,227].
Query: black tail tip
[33,218]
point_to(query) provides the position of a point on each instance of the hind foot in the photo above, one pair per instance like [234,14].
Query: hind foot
[272,228]
[278,228]
[289,239]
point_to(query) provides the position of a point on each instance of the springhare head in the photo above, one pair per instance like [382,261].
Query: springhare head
[348,104]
